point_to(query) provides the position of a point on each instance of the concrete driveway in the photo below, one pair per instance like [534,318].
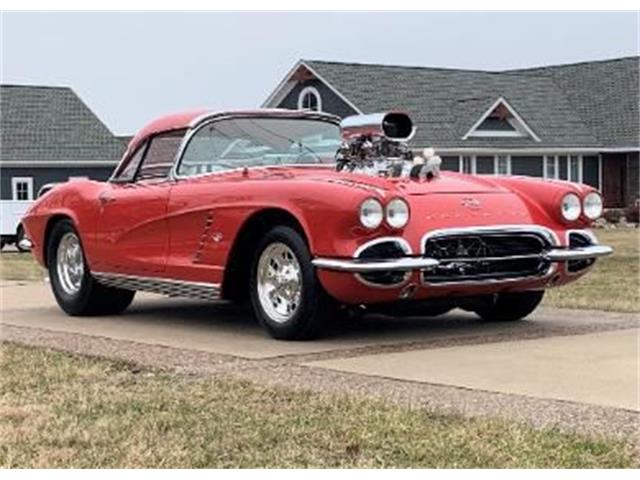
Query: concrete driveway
[564,355]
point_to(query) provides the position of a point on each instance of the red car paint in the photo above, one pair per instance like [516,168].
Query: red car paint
[185,228]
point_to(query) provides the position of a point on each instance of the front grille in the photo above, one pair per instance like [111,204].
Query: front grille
[578,240]
[485,256]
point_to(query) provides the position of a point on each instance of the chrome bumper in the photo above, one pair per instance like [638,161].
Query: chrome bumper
[25,244]
[406,264]
[583,253]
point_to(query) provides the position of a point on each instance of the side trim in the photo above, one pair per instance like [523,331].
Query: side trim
[163,286]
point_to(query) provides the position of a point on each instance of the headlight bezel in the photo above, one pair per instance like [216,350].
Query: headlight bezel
[370,202]
[388,215]
[586,208]
[577,207]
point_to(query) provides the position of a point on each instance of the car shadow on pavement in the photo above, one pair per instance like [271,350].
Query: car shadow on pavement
[227,315]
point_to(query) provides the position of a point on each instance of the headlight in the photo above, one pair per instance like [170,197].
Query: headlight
[592,205]
[571,207]
[371,213]
[397,213]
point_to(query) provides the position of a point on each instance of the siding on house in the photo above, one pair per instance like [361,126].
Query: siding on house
[43,175]
[331,102]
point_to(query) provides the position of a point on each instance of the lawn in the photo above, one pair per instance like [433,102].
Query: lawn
[612,284]
[19,266]
[60,410]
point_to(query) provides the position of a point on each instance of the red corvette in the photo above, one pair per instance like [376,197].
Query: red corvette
[306,217]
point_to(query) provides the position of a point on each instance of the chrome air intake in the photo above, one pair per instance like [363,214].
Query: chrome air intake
[383,249]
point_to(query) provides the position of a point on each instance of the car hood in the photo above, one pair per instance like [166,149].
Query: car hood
[445,183]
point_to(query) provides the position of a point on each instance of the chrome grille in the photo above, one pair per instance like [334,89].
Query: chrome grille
[477,256]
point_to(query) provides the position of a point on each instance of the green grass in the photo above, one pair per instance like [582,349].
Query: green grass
[59,410]
[612,284]
[20,266]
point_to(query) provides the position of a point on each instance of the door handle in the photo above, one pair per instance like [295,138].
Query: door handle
[106,198]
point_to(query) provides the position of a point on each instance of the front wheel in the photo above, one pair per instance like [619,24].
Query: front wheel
[75,290]
[286,296]
[505,307]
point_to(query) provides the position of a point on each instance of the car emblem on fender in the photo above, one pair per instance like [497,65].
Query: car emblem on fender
[471,203]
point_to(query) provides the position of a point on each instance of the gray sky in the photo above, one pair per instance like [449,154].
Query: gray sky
[131,67]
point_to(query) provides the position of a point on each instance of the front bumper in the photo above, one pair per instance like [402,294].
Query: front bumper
[406,264]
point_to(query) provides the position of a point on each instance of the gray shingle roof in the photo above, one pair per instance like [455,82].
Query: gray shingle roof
[445,103]
[52,124]
[606,95]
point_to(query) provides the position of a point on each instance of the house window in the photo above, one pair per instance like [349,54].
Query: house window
[574,169]
[309,99]
[591,170]
[22,188]
[467,164]
[484,165]
[502,165]
[550,167]
[527,165]
[450,163]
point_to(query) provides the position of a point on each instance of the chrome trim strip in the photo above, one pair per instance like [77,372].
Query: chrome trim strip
[564,255]
[361,266]
[164,286]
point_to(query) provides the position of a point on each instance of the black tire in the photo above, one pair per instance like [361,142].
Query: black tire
[314,311]
[92,298]
[507,307]
[19,238]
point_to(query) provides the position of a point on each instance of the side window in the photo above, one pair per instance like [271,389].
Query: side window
[128,171]
[160,155]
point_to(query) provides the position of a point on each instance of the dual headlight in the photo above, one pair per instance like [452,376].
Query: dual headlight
[571,206]
[395,213]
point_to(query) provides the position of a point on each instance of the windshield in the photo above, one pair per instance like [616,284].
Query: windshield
[251,142]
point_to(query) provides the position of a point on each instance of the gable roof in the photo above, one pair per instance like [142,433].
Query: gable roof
[604,93]
[446,103]
[52,125]
[518,126]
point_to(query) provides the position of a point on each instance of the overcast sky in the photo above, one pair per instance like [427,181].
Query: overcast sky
[130,67]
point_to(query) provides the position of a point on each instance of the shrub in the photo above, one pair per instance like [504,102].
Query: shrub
[632,213]
[613,215]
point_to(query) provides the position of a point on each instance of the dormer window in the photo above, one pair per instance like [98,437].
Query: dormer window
[500,121]
[309,99]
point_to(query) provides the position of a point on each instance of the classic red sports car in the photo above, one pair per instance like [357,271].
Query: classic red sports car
[306,217]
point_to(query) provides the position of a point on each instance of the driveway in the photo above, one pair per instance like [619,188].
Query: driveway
[586,358]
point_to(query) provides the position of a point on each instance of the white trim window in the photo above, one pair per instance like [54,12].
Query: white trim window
[502,165]
[309,99]
[22,188]
[500,121]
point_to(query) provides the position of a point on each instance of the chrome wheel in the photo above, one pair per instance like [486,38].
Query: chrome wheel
[70,263]
[279,282]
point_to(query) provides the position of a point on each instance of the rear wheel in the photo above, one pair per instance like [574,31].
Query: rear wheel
[74,288]
[505,307]
[286,296]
